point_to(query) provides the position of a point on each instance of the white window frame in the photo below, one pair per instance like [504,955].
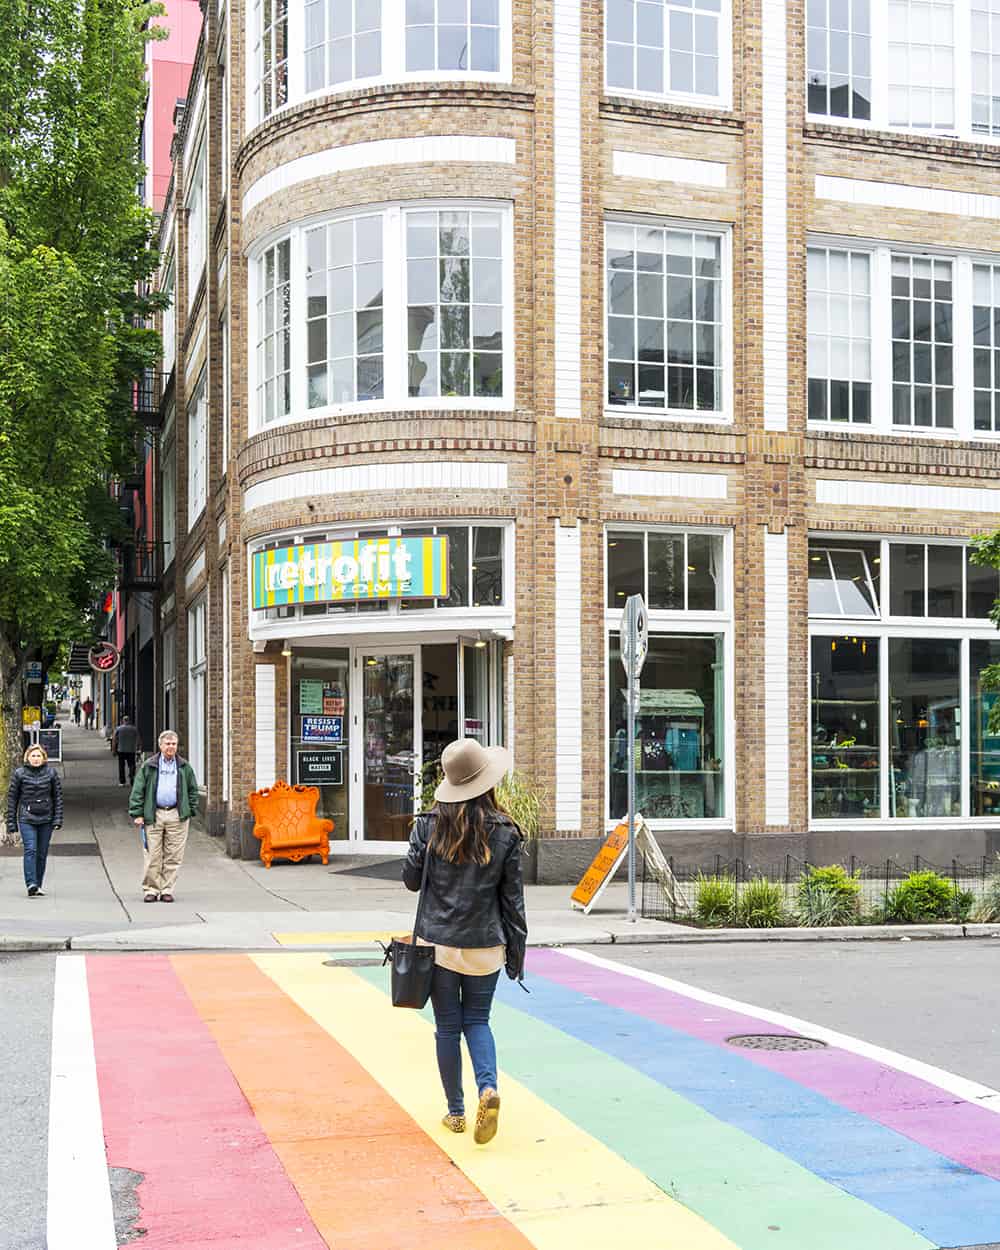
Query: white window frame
[961,81]
[197,449]
[724,98]
[170,674]
[196,209]
[225,609]
[395,397]
[885,627]
[881,339]
[168,501]
[197,638]
[393,58]
[723,416]
[225,353]
[663,621]
[168,323]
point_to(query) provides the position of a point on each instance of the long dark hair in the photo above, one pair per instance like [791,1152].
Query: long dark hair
[462,830]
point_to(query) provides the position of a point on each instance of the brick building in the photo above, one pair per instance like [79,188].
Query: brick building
[489,313]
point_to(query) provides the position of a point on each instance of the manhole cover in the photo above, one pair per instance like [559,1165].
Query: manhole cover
[775,1041]
[352,963]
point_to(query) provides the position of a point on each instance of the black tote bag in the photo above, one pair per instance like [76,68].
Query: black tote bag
[412,970]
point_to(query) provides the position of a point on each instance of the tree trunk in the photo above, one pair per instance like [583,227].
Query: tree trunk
[11,666]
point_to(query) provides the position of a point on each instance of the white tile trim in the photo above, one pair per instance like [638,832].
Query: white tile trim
[362,478]
[774,62]
[194,570]
[902,195]
[910,495]
[668,169]
[568,223]
[776,755]
[425,150]
[569,690]
[266,722]
[669,485]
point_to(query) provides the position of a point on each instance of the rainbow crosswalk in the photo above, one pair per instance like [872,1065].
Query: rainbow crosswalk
[273,1101]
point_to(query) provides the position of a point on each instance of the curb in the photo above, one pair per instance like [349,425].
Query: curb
[14,944]
[838,933]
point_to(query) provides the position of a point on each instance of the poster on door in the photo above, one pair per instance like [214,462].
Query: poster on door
[322,729]
[333,700]
[310,696]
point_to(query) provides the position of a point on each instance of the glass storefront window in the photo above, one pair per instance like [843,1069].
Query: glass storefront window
[487,567]
[680,741]
[924,727]
[673,571]
[320,690]
[843,579]
[626,567]
[844,727]
[984,749]
[982,587]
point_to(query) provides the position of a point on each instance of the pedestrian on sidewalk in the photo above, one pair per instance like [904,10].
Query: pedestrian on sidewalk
[88,713]
[472,912]
[164,797]
[76,711]
[35,809]
[125,743]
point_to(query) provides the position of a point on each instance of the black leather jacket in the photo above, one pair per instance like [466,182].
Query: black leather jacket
[472,905]
[35,795]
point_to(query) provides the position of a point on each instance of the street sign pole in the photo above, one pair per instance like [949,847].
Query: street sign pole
[634,643]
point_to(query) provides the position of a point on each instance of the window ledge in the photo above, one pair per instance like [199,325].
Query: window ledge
[650,109]
[664,419]
[902,141]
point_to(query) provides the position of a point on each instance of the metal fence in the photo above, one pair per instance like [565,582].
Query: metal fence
[972,884]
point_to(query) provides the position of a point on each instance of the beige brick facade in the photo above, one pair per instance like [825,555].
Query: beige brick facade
[559,470]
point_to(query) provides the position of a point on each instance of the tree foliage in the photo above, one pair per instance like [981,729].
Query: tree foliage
[75,252]
[986,550]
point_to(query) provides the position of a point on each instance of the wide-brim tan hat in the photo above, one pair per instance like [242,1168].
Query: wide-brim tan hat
[470,770]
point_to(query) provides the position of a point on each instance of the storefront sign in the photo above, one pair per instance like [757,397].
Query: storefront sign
[320,768]
[355,569]
[33,670]
[322,729]
[602,869]
[103,657]
[310,695]
[51,742]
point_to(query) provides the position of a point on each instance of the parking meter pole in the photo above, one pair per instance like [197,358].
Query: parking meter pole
[630,766]
[634,642]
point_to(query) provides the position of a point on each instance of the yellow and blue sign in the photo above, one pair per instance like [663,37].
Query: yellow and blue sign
[351,570]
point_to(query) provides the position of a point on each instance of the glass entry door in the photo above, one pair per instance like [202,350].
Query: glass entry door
[390,762]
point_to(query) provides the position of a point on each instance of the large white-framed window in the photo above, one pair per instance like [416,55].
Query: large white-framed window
[170,677]
[676,50]
[901,340]
[898,723]
[685,722]
[197,667]
[168,501]
[226,390]
[225,607]
[196,207]
[197,449]
[323,46]
[925,66]
[667,319]
[168,325]
[399,306]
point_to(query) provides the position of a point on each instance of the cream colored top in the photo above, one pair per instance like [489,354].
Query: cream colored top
[470,961]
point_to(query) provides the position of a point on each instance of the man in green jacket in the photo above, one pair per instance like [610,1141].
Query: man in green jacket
[164,797]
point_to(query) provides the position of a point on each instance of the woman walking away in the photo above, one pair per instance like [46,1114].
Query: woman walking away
[472,913]
[35,807]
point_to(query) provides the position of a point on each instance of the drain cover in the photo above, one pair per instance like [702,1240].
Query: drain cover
[352,963]
[775,1041]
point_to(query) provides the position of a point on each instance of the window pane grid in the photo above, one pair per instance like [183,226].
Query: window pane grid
[454,303]
[921,64]
[271,56]
[986,347]
[838,65]
[274,332]
[985,55]
[674,571]
[657,47]
[922,351]
[343,42]
[839,326]
[453,35]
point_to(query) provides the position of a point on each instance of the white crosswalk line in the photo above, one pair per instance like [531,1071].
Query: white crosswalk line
[80,1214]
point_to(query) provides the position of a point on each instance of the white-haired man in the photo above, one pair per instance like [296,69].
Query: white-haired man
[164,797]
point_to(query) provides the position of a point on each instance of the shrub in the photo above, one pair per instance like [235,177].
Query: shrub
[517,794]
[988,911]
[828,896]
[715,899]
[761,904]
[927,896]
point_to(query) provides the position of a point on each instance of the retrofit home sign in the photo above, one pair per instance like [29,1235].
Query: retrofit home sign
[354,569]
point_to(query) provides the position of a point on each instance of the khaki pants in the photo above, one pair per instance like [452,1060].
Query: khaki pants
[165,842]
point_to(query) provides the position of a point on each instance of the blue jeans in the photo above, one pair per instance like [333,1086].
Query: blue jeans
[462,1005]
[36,839]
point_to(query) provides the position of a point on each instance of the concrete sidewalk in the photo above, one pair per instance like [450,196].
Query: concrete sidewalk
[93,900]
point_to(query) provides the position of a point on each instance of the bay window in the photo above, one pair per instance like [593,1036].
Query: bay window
[396,307]
[682,742]
[673,49]
[337,45]
[898,718]
[914,65]
[667,319]
[933,319]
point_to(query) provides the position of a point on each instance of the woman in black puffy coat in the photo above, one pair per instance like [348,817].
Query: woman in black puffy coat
[35,809]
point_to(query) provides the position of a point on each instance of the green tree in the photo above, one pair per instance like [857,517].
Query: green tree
[75,255]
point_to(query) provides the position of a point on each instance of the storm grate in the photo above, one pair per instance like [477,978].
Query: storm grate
[352,963]
[775,1041]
